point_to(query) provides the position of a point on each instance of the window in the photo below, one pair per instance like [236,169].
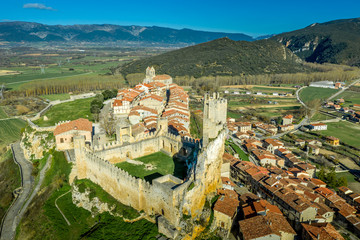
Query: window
[61,140]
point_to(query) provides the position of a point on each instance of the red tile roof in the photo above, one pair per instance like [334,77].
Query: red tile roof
[80,124]
[227,206]
[161,77]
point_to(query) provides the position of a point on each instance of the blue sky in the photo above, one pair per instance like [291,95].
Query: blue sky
[256,17]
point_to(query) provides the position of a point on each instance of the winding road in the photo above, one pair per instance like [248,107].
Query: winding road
[18,208]
[27,181]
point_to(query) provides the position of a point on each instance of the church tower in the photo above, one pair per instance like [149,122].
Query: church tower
[150,74]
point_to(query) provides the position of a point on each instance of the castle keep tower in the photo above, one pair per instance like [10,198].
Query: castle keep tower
[215,111]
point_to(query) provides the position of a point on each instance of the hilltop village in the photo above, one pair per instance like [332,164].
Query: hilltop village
[240,180]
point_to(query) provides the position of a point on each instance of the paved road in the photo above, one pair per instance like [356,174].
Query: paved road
[342,90]
[27,181]
[298,97]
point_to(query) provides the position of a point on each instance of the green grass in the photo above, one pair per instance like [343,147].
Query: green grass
[231,114]
[267,90]
[320,117]
[163,165]
[97,191]
[2,113]
[347,132]
[350,98]
[67,111]
[10,130]
[53,97]
[59,167]
[242,155]
[82,223]
[10,180]
[310,93]
[29,74]
[350,178]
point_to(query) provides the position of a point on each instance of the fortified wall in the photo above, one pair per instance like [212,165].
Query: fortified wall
[149,143]
[167,196]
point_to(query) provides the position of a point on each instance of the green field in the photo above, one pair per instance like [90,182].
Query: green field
[232,114]
[10,130]
[67,111]
[310,93]
[273,89]
[2,113]
[350,98]
[320,117]
[161,163]
[347,132]
[53,97]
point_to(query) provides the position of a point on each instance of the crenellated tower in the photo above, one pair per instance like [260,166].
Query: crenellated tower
[214,119]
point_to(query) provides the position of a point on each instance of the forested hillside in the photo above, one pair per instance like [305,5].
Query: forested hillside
[221,57]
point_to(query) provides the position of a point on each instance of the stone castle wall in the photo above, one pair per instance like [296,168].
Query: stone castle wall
[161,197]
[148,144]
[153,199]
[167,196]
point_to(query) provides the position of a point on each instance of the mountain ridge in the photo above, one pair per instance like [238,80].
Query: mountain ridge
[19,31]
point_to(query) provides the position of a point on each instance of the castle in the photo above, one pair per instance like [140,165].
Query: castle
[167,197]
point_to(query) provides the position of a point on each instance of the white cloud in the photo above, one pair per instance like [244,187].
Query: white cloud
[38,6]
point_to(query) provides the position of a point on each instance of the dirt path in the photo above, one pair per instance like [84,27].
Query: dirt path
[67,221]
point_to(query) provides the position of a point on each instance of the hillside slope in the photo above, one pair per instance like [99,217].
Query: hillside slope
[104,33]
[221,57]
[334,42]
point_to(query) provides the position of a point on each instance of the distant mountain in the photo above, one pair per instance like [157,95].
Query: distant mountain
[221,57]
[36,32]
[264,36]
[335,42]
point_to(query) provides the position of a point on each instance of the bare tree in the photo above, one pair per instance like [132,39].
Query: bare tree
[108,123]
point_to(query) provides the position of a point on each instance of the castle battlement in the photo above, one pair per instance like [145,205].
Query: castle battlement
[106,166]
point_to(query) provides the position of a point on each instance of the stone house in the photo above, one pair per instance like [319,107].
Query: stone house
[284,128]
[270,226]
[225,212]
[120,106]
[288,119]
[272,144]
[320,231]
[153,101]
[333,141]
[243,126]
[64,133]
[313,149]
